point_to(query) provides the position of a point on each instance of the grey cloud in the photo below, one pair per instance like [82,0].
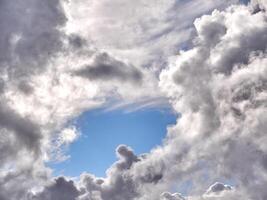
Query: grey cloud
[77,41]
[233,49]
[30,34]
[60,189]
[147,33]
[120,183]
[217,191]
[127,157]
[218,188]
[220,88]
[211,30]
[30,37]
[25,129]
[169,196]
[15,184]
[261,4]
[18,133]
[105,68]
[25,87]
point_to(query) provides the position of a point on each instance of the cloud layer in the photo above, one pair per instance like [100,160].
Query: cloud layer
[61,58]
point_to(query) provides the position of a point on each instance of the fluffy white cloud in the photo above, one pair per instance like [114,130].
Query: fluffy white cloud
[220,88]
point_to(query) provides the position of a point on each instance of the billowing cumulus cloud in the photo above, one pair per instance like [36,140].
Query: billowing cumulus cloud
[61,58]
[219,87]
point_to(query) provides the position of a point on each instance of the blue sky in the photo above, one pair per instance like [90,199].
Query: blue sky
[103,131]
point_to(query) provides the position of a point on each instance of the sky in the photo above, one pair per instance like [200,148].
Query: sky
[133,100]
[141,130]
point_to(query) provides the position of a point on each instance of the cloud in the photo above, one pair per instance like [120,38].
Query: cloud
[217,191]
[61,58]
[169,196]
[218,188]
[145,33]
[60,189]
[261,4]
[105,68]
[220,89]
[25,44]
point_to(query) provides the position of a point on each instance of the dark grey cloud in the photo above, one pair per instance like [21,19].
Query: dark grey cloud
[106,68]
[77,41]
[260,4]
[30,34]
[60,189]
[26,131]
[30,38]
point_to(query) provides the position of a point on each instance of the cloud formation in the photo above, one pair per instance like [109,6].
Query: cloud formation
[61,58]
[105,68]
[223,106]
[146,33]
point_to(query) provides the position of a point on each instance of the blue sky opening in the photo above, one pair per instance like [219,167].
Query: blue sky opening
[103,131]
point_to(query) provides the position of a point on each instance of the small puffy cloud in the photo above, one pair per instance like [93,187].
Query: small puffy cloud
[169,196]
[218,188]
[68,135]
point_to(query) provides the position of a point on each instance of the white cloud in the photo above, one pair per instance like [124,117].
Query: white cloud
[68,135]
[144,32]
